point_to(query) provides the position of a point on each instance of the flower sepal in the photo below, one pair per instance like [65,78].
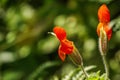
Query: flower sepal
[103,42]
[76,57]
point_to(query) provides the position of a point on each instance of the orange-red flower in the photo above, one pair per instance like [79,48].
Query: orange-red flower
[66,46]
[104,19]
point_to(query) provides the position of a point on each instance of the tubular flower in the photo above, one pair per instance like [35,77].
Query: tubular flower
[104,19]
[104,32]
[66,47]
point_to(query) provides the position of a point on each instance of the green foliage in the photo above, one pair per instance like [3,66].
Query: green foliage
[77,74]
[41,69]
[96,76]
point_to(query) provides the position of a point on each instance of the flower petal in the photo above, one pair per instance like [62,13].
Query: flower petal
[67,46]
[104,14]
[61,54]
[100,25]
[60,33]
[107,29]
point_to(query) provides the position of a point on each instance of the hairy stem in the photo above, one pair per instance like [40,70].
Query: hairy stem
[106,66]
[85,73]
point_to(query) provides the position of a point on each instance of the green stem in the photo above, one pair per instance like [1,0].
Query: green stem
[106,66]
[85,73]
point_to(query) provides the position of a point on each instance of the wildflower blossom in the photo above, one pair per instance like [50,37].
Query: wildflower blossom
[104,19]
[66,46]
[104,32]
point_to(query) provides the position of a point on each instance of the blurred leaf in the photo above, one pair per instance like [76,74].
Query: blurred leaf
[41,69]
[12,75]
[47,45]
[6,57]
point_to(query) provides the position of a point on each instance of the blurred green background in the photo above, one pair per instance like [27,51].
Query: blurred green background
[28,52]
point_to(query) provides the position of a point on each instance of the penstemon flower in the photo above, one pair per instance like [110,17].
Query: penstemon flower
[104,19]
[67,47]
[104,31]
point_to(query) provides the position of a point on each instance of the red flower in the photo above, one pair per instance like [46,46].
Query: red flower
[104,19]
[66,46]
[104,14]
